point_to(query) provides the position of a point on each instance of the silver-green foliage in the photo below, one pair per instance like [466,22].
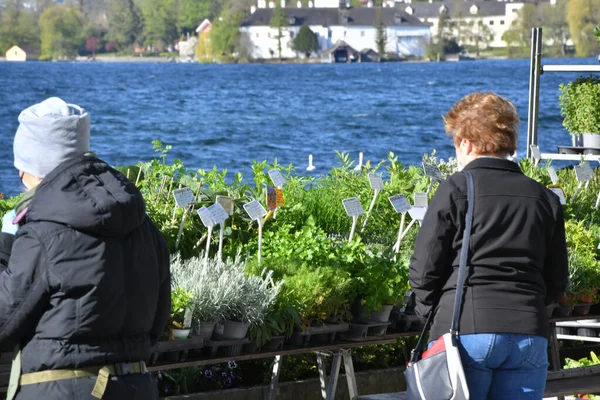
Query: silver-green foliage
[223,291]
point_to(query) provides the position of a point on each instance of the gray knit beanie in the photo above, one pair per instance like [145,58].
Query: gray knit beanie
[50,133]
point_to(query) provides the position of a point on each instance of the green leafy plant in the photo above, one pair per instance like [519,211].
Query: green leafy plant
[181,301]
[580,105]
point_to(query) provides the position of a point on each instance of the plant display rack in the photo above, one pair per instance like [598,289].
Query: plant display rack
[536,71]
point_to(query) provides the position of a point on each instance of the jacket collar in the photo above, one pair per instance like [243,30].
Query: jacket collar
[494,163]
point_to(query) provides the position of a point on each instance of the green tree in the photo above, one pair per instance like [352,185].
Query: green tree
[191,13]
[482,35]
[556,28]
[61,33]
[17,27]
[125,24]
[225,33]
[160,22]
[443,42]
[518,36]
[583,16]
[305,42]
[380,36]
[278,22]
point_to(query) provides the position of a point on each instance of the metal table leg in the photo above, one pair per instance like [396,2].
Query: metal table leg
[555,351]
[322,374]
[275,378]
[335,373]
[350,377]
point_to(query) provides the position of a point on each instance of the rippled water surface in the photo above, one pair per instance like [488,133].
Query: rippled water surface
[229,115]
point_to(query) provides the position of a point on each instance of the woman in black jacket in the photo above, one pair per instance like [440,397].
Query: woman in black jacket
[85,292]
[517,258]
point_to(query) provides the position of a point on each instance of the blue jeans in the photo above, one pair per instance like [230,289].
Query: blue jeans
[504,366]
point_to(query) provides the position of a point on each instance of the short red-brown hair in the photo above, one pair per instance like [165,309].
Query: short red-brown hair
[488,121]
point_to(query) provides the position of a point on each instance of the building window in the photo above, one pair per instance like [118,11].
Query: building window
[344,33]
[257,35]
[362,33]
[269,34]
[329,34]
[492,22]
[501,22]
[292,34]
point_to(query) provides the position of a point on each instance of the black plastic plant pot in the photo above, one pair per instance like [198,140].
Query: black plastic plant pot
[230,351]
[276,343]
[380,330]
[358,331]
[581,309]
[563,310]
[251,347]
[587,332]
[560,330]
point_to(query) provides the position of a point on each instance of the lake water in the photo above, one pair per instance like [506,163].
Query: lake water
[229,115]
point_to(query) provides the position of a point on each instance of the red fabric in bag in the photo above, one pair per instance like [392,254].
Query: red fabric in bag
[437,347]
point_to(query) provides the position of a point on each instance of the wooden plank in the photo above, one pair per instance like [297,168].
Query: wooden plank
[388,339]
[566,387]
[574,318]
[574,373]
[384,396]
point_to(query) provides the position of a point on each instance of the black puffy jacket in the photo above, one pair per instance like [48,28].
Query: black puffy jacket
[88,280]
[517,257]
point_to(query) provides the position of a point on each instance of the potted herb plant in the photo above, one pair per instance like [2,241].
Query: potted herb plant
[580,108]
[181,315]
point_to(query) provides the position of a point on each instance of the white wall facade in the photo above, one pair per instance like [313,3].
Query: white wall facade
[403,41]
[497,24]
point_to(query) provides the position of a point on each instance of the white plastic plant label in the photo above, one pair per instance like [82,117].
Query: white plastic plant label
[219,215]
[584,172]
[561,195]
[400,203]
[432,171]
[187,319]
[376,181]
[421,200]
[353,207]
[255,210]
[417,213]
[553,175]
[535,153]
[206,217]
[227,203]
[184,197]
[276,177]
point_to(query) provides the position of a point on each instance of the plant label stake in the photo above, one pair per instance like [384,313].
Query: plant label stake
[421,200]
[584,174]
[354,209]
[227,203]
[207,219]
[561,195]
[278,180]
[184,199]
[276,177]
[376,182]
[219,216]
[553,175]
[256,212]
[535,153]
[433,173]
[401,206]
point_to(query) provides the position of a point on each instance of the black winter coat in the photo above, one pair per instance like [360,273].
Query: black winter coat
[517,258]
[87,282]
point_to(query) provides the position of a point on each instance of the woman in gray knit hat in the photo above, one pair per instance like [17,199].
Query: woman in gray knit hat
[85,273]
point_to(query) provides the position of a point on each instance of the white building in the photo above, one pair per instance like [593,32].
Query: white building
[497,16]
[405,35]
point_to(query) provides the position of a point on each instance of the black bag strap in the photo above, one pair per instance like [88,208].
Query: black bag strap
[464,254]
[415,354]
